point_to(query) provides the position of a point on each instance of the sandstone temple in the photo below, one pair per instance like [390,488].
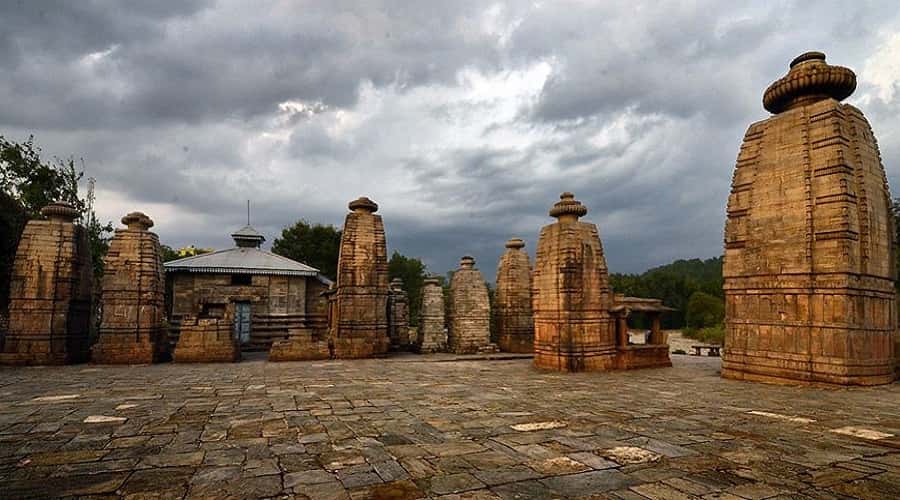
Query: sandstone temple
[514,321]
[50,292]
[470,311]
[809,261]
[132,328]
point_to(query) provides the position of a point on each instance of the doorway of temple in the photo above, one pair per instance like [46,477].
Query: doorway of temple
[242,323]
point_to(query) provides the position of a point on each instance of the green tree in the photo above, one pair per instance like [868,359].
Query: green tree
[313,244]
[12,220]
[704,310]
[413,272]
[169,253]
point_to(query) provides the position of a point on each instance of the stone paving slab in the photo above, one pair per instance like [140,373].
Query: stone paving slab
[468,429]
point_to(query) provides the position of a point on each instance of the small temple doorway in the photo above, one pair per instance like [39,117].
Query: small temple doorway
[242,322]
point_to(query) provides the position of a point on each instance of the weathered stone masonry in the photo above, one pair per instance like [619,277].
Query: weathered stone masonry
[432,334]
[470,311]
[809,262]
[514,321]
[50,292]
[133,295]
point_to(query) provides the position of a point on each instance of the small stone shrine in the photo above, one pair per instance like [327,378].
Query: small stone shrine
[133,297]
[514,321]
[360,319]
[399,315]
[208,339]
[432,333]
[809,260]
[470,311]
[50,292]
[573,327]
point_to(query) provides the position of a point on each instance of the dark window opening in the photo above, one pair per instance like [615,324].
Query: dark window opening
[241,279]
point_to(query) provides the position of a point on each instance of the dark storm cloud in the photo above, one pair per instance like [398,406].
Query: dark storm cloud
[463,120]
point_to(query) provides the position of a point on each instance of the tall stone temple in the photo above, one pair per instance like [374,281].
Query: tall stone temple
[359,321]
[809,264]
[50,292]
[470,311]
[399,315]
[133,294]
[432,333]
[514,321]
[573,327]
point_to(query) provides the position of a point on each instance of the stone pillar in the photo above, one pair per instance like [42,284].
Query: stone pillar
[50,292]
[361,300]
[809,264]
[571,297]
[515,325]
[470,311]
[622,329]
[432,336]
[399,315]
[656,330]
[133,296]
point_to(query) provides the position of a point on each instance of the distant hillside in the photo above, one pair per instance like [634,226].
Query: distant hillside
[673,283]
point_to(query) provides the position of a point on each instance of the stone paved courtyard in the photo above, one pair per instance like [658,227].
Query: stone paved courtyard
[408,428]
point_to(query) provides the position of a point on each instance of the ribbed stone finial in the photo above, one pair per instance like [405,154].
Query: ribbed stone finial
[363,204]
[396,284]
[432,280]
[60,211]
[137,220]
[515,243]
[467,262]
[809,80]
[568,205]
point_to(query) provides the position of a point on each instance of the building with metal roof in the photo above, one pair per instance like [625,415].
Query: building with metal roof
[266,294]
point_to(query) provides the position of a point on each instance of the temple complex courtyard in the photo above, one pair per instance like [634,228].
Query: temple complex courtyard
[438,426]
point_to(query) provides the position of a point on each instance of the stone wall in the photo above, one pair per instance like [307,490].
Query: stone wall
[278,304]
[515,324]
[432,334]
[360,328]
[207,340]
[133,297]
[571,297]
[809,262]
[470,311]
[50,292]
[398,302]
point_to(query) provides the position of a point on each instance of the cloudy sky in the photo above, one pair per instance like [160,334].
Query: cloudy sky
[463,120]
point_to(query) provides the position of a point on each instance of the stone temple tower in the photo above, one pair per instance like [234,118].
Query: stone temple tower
[573,327]
[809,267]
[470,311]
[50,292]
[360,317]
[432,334]
[515,325]
[133,292]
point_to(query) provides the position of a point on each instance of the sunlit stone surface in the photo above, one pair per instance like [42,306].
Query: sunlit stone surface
[809,266]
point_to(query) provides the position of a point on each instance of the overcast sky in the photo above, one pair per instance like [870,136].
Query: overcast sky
[463,120]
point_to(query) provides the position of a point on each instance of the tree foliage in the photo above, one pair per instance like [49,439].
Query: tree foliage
[704,310]
[413,272]
[169,253]
[313,244]
[674,284]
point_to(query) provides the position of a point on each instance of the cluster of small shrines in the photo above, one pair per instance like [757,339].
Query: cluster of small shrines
[809,276]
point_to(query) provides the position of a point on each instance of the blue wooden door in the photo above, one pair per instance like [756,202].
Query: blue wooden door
[242,322]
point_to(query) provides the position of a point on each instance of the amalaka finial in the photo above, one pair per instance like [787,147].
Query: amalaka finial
[467,262]
[60,211]
[137,220]
[809,80]
[515,243]
[567,207]
[363,204]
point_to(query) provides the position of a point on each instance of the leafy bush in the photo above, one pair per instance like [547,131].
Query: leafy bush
[709,335]
[704,310]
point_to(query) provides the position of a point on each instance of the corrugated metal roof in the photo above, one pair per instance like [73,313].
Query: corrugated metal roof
[244,260]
